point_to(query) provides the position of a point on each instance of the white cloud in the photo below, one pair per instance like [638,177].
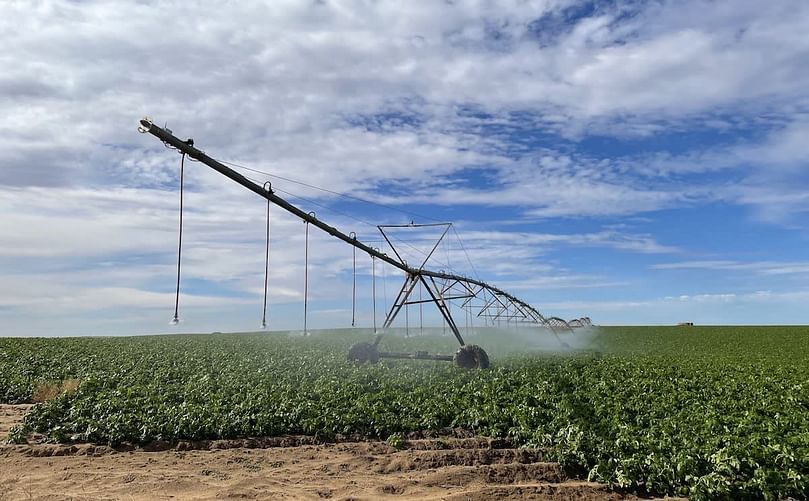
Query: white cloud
[277,81]
[354,95]
[749,308]
[758,267]
[541,242]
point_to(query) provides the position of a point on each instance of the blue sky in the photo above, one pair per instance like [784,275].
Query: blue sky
[635,162]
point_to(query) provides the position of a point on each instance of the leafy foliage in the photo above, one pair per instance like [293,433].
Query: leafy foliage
[396,440]
[705,412]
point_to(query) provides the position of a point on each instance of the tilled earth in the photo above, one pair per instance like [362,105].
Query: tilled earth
[284,468]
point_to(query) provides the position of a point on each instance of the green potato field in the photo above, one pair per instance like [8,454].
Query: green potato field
[706,412]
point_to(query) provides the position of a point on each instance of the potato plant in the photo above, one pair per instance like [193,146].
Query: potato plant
[713,413]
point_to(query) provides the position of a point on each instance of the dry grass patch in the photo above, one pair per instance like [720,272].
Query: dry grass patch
[49,390]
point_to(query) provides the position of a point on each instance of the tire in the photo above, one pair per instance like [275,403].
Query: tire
[471,356]
[363,352]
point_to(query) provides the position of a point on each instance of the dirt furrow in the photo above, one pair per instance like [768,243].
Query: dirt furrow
[285,468]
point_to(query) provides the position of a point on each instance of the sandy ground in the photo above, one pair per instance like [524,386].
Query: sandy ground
[452,468]
[9,416]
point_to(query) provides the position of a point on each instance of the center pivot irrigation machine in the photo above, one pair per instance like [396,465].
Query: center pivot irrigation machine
[476,297]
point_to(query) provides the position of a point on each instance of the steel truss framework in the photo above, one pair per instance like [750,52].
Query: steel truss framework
[476,298]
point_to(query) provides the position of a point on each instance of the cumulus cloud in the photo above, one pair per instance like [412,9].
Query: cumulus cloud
[400,102]
[760,267]
[751,308]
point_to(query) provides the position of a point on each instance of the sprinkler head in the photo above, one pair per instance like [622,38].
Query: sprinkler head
[363,352]
[471,356]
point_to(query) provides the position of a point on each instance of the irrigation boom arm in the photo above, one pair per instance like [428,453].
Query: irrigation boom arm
[187,147]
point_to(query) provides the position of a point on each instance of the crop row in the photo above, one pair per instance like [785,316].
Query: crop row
[709,413]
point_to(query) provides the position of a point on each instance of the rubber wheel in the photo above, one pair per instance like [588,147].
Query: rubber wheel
[363,352]
[471,356]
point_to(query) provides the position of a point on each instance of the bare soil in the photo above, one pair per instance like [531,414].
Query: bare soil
[284,468]
[11,415]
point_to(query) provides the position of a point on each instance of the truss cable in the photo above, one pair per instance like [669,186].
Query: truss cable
[444,319]
[176,319]
[326,207]
[421,312]
[448,249]
[407,317]
[353,280]
[308,200]
[268,187]
[475,271]
[373,287]
[306,276]
[384,289]
[325,190]
[330,209]
[420,251]
[448,303]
